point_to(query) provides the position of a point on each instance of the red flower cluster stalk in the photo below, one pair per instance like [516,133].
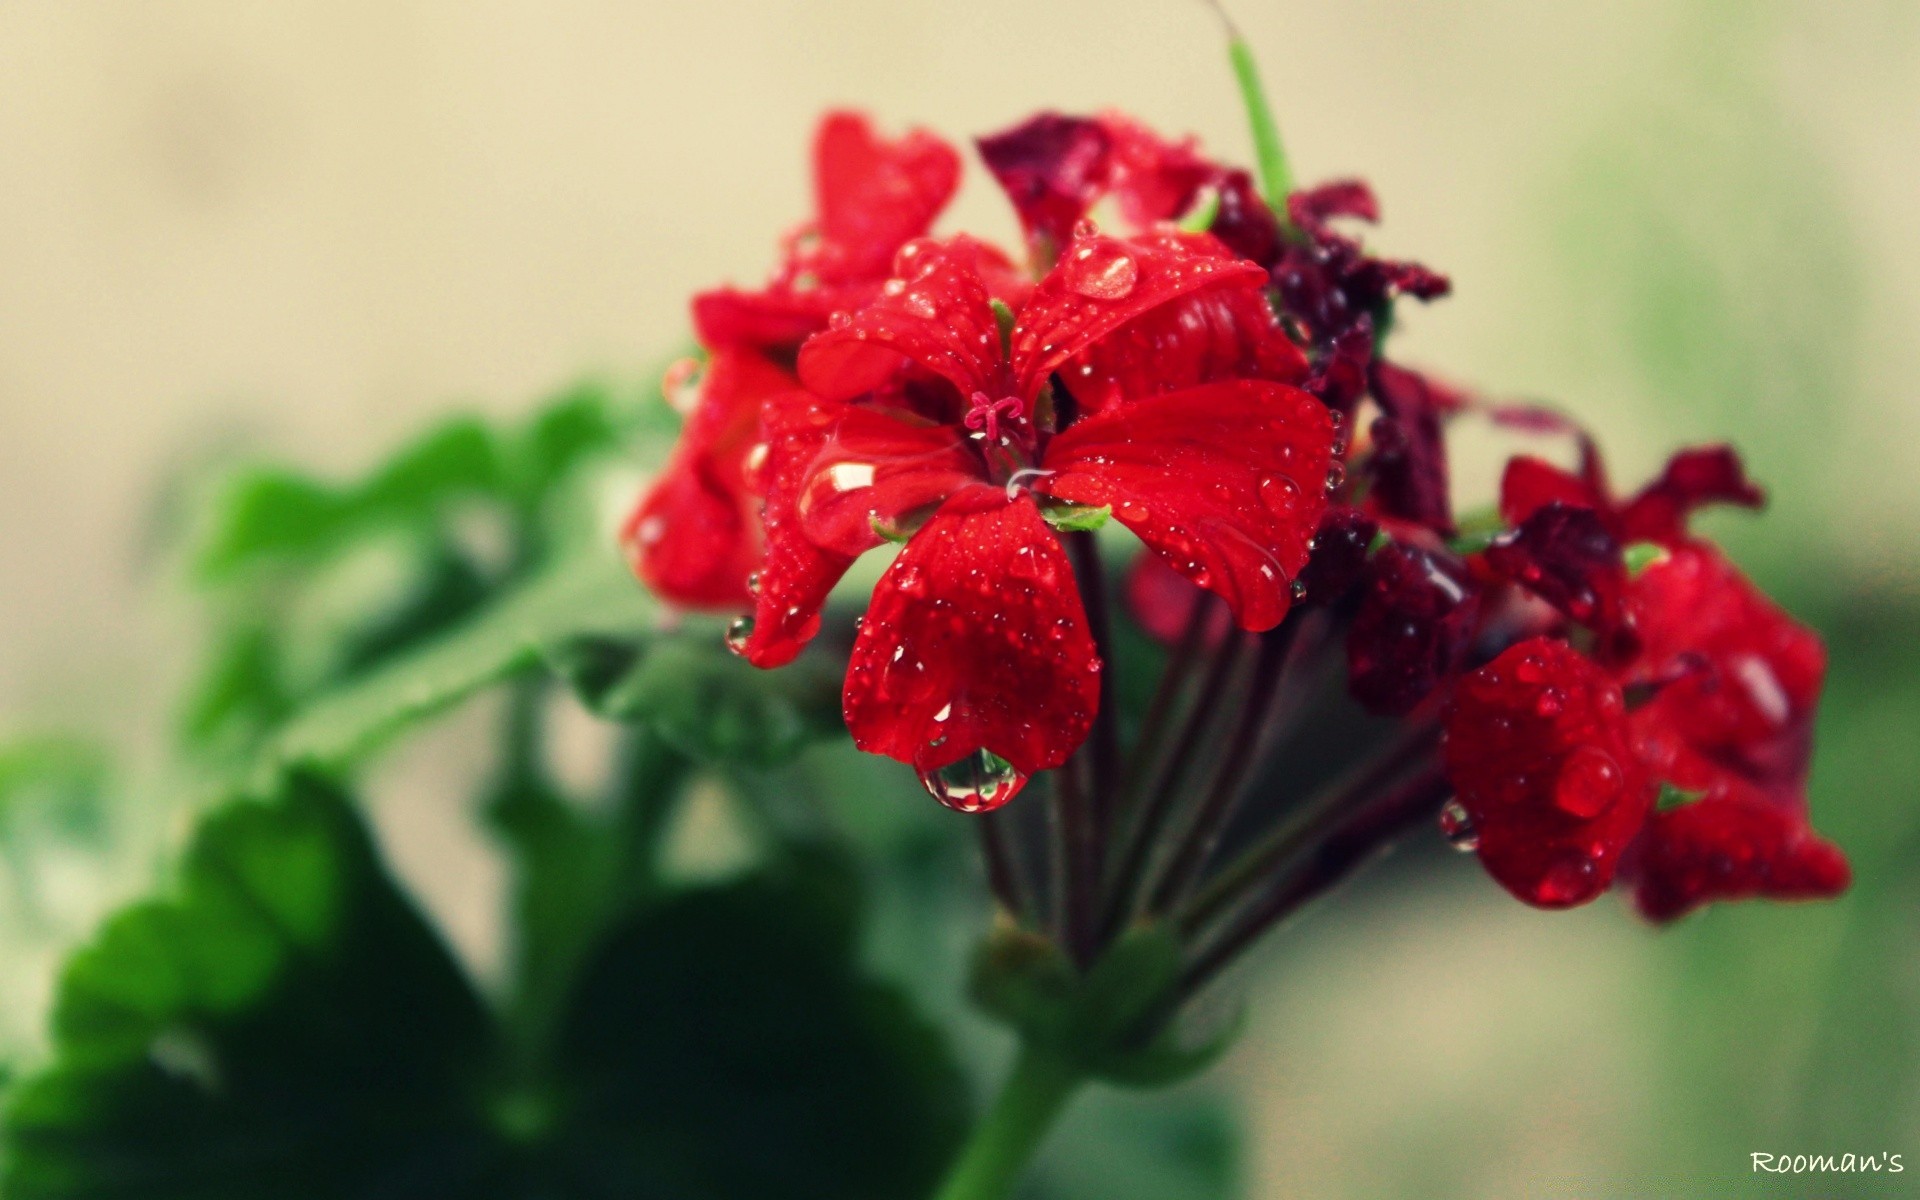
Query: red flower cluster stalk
[1589,693]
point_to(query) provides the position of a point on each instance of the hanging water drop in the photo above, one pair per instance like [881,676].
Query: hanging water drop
[753,583]
[738,632]
[1456,825]
[980,782]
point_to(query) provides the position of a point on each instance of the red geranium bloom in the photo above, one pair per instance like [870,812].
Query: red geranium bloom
[1538,747]
[1693,479]
[1732,725]
[695,538]
[975,643]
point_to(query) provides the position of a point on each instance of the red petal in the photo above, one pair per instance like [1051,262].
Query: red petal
[1409,462]
[1153,179]
[1538,749]
[1413,628]
[1693,479]
[1219,333]
[874,196]
[694,537]
[1730,849]
[1227,480]
[1530,484]
[936,314]
[975,640]
[1101,283]
[1161,599]
[775,319]
[874,465]
[1053,168]
[1746,675]
[797,575]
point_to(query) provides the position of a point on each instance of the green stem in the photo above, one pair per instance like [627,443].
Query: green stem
[1276,180]
[1005,1139]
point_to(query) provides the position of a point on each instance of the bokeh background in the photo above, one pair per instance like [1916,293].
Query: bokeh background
[306,227]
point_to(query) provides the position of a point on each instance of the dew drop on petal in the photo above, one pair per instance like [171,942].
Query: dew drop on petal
[738,632]
[1588,783]
[980,782]
[1456,825]
[753,583]
[1102,272]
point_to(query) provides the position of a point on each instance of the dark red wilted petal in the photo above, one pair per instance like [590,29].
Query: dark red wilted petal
[1102,283]
[1413,628]
[1218,333]
[1566,556]
[873,466]
[1342,378]
[1227,480]
[1732,849]
[935,312]
[1054,168]
[1538,751]
[1340,548]
[1311,208]
[695,536]
[1409,463]
[975,640]
[1243,222]
[1327,281]
[1693,479]
[797,574]
[872,195]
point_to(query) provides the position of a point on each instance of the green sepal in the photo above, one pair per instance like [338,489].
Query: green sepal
[1099,1022]
[1641,555]
[1068,517]
[1673,797]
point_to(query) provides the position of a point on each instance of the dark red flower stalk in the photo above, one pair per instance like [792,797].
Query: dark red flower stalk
[694,538]
[923,421]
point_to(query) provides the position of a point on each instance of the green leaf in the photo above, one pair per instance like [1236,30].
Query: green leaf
[589,594]
[283,1025]
[271,514]
[724,1045]
[714,706]
[1075,518]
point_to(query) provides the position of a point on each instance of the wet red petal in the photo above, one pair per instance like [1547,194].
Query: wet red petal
[873,195]
[1161,599]
[877,466]
[1227,480]
[1539,753]
[1154,179]
[975,639]
[1409,462]
[1566,556]
[797,574]
[1529,484]
[935,312]
[1102,283]
[695,536]
[1732,849]
[1218,333]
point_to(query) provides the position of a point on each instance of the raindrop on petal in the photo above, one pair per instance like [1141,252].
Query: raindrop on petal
[980,782]
[1456,825]
[738,632]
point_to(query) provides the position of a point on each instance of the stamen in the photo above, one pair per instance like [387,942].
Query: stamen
[986,413]
[1018,479]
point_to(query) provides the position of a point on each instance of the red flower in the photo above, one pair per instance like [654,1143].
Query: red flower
[1693,479]
[1731,724]
[1539,750]
[1414,626]
[975,643]
[694,538]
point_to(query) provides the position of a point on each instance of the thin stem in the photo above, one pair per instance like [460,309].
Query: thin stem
[1346,848]
[1130,880]
[1004,1141]
[1078,873]
[1276,180]
[1209,820]
[1085,553]
[1232,884]
[1003,872]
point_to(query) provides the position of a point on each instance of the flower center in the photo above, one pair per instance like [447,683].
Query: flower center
[987,413]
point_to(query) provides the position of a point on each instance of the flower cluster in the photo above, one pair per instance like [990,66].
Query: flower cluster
[1584,689]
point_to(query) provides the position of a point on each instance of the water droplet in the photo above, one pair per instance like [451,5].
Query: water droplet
[737,634]
[839,320]
[1456,825]
[1298,590]
[980,782]
[1336,475]
[681,386]
[920,306]
[753,583]
[1102,272]
[1588,783]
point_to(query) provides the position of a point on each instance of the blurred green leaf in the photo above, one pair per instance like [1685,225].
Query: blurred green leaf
[283,1025]
[724,1045]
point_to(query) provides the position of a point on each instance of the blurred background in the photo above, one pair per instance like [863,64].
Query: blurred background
[306,228]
